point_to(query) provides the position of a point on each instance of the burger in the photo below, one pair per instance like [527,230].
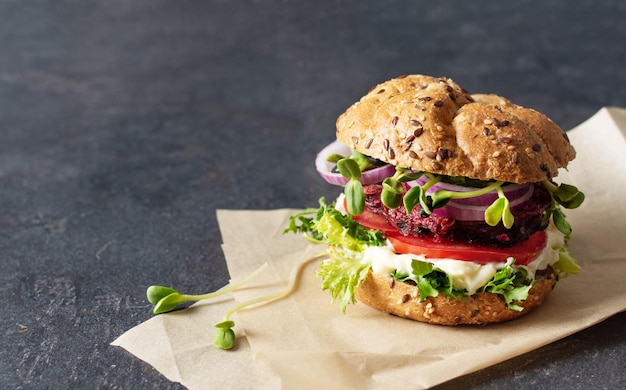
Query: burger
[450,213]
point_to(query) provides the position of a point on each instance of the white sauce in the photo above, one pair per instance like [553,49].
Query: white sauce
[464,274]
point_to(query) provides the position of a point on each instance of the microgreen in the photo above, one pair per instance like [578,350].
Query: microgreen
[355,198]
[499,210]
[166,299]
[225,336]
[567,196]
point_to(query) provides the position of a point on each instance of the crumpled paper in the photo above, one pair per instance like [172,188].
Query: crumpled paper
[304,341]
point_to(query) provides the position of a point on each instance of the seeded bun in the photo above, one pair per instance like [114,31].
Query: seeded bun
[433,125]
[402,299]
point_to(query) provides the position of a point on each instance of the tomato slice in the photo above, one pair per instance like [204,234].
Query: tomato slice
[524,252]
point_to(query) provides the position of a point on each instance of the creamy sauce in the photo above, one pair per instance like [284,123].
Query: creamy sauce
[464,274]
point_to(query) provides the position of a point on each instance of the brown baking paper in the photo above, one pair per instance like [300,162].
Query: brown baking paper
[304,341]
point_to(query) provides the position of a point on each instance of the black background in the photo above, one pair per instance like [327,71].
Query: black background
[124,125]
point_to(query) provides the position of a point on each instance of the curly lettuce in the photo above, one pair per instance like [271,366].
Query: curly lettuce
[345,267]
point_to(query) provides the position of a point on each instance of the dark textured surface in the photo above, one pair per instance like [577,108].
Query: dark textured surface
[125,125]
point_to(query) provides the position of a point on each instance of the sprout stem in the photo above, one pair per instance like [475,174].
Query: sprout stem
[470,194]
[294,279]
[226,289]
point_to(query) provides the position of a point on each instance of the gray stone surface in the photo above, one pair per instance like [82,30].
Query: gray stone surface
[124,125]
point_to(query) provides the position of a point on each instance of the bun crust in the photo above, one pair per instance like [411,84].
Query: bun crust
[433,125]
[401,299]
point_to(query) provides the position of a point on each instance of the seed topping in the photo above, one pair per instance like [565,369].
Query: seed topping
[415,122]
[499,123]
[505,140]
[443,153]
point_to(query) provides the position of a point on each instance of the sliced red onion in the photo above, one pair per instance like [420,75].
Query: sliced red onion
[325,168]
[464,212]
[512,191]
[473,209]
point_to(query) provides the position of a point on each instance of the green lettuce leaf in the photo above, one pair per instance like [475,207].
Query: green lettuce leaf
[345,269]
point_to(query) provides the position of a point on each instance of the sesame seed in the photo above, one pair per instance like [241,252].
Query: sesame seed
[443,153]
[410,138]
[394,121]
[425,98]
[391,153]
[486,131]
[505,140]
[536,147]
[488,122]
[386,144]
[418,131]
[438,103]
[405,298]
[544,167]
[496,154]
[430,154]
[369,143]
[412,154]
[381,91]
[355,140]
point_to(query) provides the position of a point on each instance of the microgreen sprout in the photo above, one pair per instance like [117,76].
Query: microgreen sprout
[166,299]
[225,336]
[498,211]
[565,195]
[351,168]
[391,195]
[353,189]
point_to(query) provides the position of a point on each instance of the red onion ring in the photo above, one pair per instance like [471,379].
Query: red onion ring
[325,168]
[473,209]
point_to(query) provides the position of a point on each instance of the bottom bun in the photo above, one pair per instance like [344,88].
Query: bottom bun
[402,299]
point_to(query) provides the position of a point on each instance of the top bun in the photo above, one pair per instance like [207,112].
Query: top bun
[433,125]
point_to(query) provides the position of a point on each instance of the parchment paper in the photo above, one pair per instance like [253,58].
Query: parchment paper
[304,341]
